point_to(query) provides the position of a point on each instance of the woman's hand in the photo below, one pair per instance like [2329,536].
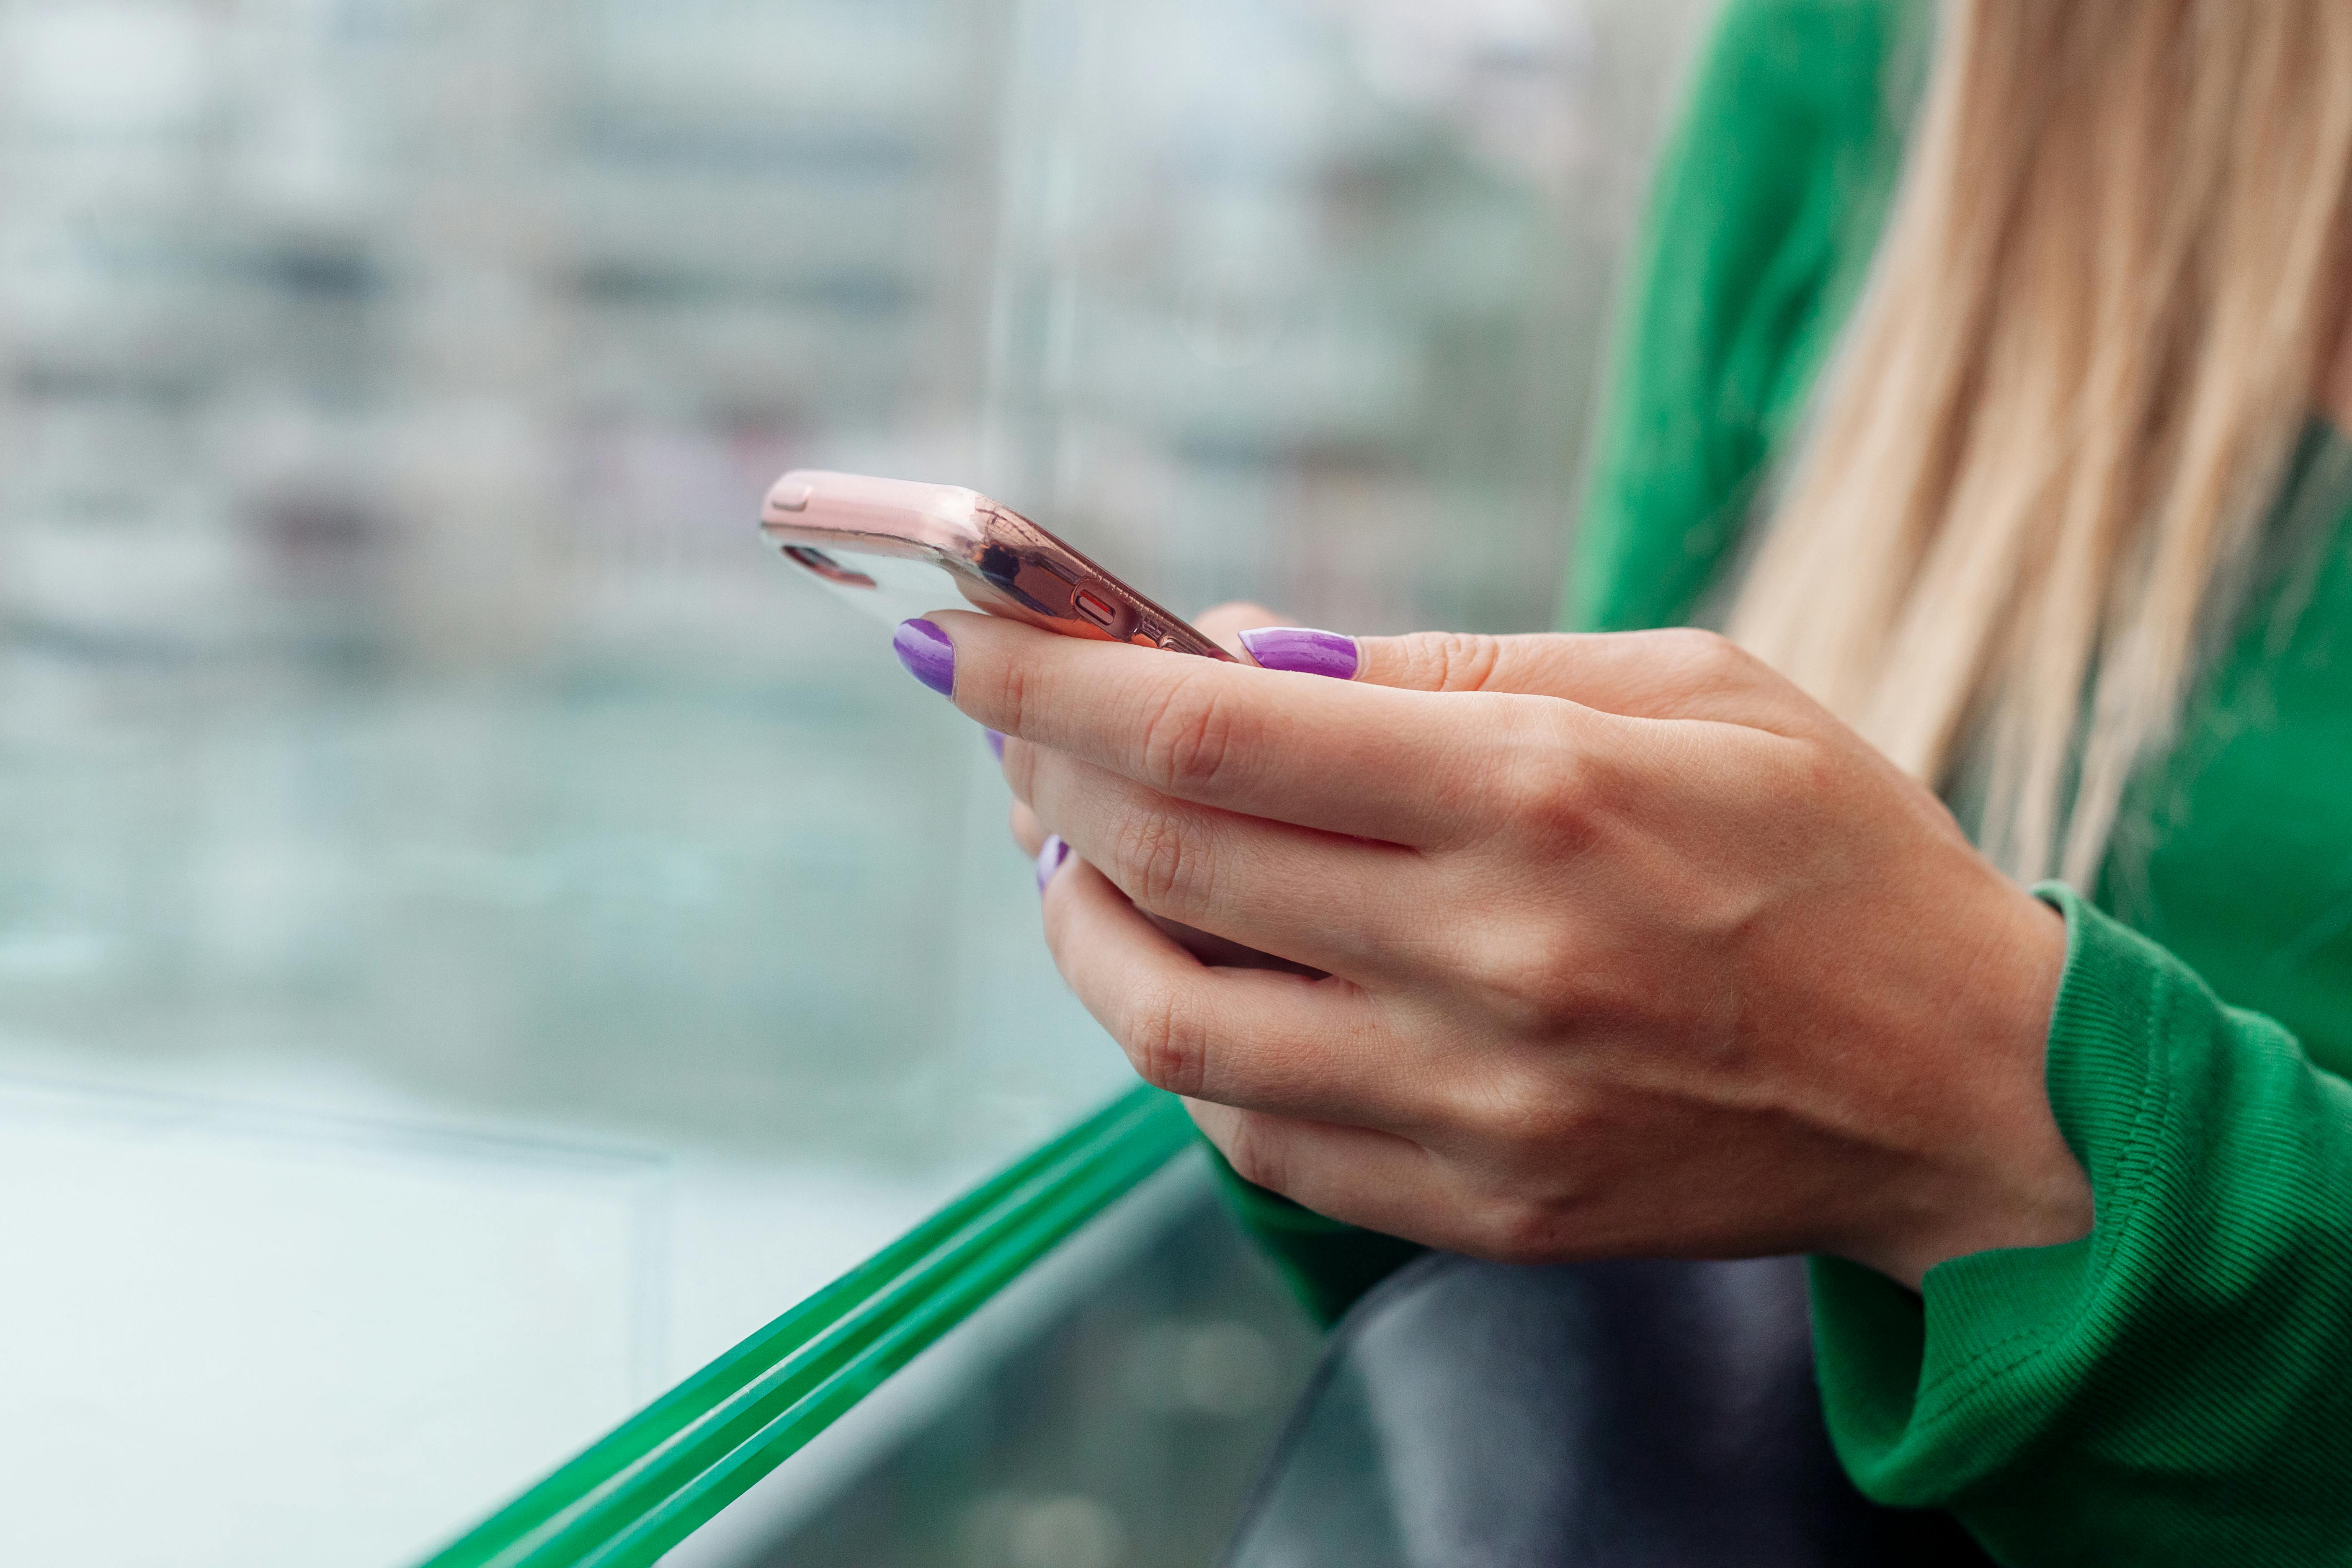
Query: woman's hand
[1630,947]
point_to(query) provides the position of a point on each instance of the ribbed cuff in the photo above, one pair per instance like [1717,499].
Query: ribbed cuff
[1928,1395]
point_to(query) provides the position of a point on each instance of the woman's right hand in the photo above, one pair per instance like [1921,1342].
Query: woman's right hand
[1625,946]
[1223,626]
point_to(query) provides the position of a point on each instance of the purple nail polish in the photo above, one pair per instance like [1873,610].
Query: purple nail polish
[1303,649]
[1050,858]
[996,743]
[927,654]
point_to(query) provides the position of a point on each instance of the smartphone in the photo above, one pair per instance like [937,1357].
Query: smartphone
[882,544]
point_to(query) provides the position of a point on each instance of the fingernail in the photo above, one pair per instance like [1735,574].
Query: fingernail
[996,743]
[927,654]
[1303,649]
[1050,858]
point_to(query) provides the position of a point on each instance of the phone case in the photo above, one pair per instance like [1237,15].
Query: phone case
[879,542]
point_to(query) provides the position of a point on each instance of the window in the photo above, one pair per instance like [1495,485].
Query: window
[476,934]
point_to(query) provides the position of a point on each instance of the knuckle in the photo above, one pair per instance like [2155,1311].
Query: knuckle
[1530,1116]
[1166,1043]
[1552,787]
[1705,656]
[1533,976]
[1521,1230]
[1255,1157]
[1537,1194]
[1449,661]
[1156,863]
[1013,698]
[1190,736]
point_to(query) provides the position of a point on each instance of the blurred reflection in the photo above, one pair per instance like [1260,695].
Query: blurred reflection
[408,750]
[1122,1431]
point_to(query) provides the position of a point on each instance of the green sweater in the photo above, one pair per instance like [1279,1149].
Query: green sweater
[2177,1387]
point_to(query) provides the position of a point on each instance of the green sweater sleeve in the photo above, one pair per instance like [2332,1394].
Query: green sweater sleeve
[2173,1388]
[1762,214]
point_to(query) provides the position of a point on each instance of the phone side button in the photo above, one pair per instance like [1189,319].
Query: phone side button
[1094,609]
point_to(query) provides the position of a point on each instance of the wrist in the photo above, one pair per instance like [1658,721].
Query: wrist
[2000,1174]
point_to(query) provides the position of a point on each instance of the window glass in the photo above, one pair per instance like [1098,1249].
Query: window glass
[476,934]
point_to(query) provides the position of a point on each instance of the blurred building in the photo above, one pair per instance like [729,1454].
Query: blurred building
[423,792]
[428,327]
[392,687]
[458,332]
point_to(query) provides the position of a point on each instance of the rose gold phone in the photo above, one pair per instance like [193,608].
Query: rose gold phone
[881,544]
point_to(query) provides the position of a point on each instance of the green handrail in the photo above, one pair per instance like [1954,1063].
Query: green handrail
[659,1476]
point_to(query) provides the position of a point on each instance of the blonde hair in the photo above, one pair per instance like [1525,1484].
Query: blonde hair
[2039,465]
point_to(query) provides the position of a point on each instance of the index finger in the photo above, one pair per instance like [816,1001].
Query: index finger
[1367,761]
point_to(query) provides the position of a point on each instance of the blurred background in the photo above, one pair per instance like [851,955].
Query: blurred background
[477,935]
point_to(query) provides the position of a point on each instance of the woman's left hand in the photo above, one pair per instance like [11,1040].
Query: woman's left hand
[1630,947]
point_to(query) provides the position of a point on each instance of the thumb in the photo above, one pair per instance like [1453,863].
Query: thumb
[1676,673]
